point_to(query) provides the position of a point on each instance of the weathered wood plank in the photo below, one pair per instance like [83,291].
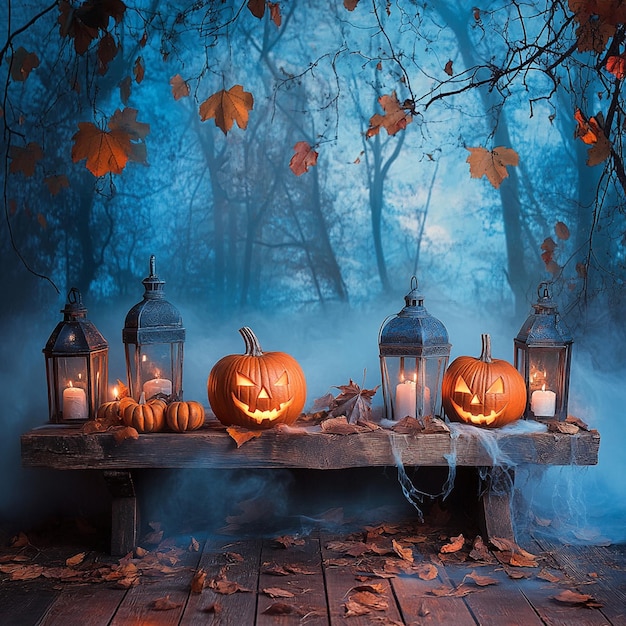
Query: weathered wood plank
[138,605]
[65,447]
[340,582]
[93,605]
[600,571]
[496,604]
[305,580]
[420,606]
[24,603]
[237,561]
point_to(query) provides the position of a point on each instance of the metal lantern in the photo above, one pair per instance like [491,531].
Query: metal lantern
[543,353]
[153,337]
[77,357]
[414,354]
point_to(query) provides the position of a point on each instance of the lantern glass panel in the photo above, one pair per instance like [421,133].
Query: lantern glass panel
[411,386]
[155,369]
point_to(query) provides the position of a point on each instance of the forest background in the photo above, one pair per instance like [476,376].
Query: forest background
[292,165]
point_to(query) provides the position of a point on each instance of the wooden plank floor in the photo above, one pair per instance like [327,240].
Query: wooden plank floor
[384,570]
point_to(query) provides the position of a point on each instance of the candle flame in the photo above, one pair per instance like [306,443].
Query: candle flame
[115,394]
[144,358]
[543,387]
[71,384]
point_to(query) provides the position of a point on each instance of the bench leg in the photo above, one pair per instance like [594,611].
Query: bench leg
[495,505]
[124,517]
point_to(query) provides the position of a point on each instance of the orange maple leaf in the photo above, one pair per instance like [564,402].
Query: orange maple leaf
[491,163]
[350,5]
[395,118]
[180,87]
[275,14]
[227,107]
[303,158]
[25,159]
[617,66]
[448,68]
[590,131]
[22,62]
[105,151]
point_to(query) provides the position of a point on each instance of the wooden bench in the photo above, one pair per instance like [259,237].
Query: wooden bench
[65,447]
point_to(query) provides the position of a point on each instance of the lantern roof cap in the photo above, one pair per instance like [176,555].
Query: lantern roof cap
[75,335]
[413,331]
[544,327]
[154,319]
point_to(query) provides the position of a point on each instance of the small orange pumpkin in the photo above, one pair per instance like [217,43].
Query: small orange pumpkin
[184,415]
[256,390]
[145,417]
[483,392]
[109,411]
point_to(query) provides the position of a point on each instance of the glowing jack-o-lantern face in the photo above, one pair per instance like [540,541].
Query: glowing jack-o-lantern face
[484,391]
[256,390]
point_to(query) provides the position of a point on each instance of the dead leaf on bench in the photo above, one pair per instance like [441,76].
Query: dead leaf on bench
[481,581]
[241,435]
[456,543]
[426,571]
[194,545]
[277,592]
[480,552]
[405,553]
[75,560]
[571,419]
[226,587]
[22,572]
[198,580]
[363,602]
[351,548]
[555,426]
[545,574]
[448,592]
[577,599]
[288,541]
[19,541]
[165,604]
[282,608]
[408,426]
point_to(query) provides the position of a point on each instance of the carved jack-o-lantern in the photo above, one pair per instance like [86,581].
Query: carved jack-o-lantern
[256,390]
[484,391]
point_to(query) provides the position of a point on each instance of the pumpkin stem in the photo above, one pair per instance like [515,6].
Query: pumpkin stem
[485,354]
[253,347]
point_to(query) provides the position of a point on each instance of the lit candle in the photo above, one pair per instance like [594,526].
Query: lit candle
[74,403]
[543,402]
[157,385]
[405,399]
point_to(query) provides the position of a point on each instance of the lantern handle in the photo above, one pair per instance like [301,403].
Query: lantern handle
[152,266]
[546,289]
[413,283]
[74,297]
